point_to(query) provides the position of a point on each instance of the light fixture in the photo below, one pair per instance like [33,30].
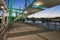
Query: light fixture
[25,12]
[38,3]
[2,7]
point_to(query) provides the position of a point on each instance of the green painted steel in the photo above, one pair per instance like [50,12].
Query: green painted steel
[40,7]
[10,9]
[10,17]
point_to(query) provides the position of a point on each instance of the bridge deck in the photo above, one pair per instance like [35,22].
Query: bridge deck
[22,31]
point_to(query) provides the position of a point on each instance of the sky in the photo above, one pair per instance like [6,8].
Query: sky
[47,13]
[19,3]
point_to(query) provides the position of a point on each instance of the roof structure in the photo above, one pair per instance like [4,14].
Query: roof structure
[45,3]
[49,3]
[48,13]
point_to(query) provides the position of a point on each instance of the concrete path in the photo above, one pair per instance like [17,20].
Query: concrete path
[22,31]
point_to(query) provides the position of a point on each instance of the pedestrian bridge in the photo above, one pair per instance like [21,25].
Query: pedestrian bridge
[30,28]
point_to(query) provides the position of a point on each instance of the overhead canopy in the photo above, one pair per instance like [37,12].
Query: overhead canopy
[48,13]
[45,3]
[32,10]
[48,3]
[2,3]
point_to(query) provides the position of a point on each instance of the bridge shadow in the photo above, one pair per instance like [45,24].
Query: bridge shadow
[27,33]
[10,35]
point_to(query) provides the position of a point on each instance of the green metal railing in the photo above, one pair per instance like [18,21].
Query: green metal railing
[10,9]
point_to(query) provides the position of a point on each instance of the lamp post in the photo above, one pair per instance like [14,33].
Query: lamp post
[3,27]
[3,18]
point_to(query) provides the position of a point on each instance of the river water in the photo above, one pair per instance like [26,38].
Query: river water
[50,25]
